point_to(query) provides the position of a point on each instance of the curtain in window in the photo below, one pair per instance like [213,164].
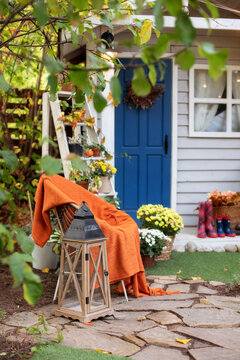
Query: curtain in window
[206,87]
[236,95]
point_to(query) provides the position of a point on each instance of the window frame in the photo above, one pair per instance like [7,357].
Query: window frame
[229,101]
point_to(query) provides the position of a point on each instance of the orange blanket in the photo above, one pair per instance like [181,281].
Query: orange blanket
[124,259]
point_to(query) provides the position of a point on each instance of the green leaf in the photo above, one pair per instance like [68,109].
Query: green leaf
[213,9]
[81,4]
[184,29]
[4,196]
[16,263]
[6,240]
[106,19]
[3,84]
[162,44]
[40,12]
[217,63]
[25,242]
[158,14]
[53,66]
[74,38]
[140,84]
[78,163]
[99,101]
[79,97]
[145,32]
[185,59]
[52,83]
[208,48]
[116,89]
[173,6]
[10,159]
[152,74]
[31,291]
[4,6]
[97,4]
[29,275]
[80,78]
[50,165]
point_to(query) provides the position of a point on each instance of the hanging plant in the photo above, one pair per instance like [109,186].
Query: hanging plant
[143,101]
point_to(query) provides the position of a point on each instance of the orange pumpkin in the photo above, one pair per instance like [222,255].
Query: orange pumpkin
[88,153]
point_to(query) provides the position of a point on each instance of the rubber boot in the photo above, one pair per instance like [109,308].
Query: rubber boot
[209,220]
[201,220]
[219,223]
[226,227]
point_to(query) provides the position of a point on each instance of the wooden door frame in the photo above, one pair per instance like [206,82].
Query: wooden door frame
[108,115]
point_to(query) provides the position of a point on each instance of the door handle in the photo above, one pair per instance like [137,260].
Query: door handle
[166,145]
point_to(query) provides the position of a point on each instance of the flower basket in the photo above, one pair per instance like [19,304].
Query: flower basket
[165,255]
[233,211]
[84,184]
[148,261]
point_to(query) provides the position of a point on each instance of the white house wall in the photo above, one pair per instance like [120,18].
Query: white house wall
[204,164]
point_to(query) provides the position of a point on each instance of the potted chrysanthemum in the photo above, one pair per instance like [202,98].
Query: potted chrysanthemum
[162,218]
[104,171]
[152,243]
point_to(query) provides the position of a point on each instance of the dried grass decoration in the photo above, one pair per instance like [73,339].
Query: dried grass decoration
[143,101]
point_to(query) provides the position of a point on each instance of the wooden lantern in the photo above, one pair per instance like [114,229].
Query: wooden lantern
[84,291]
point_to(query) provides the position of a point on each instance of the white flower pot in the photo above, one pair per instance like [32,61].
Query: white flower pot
[44,257]
[106,186]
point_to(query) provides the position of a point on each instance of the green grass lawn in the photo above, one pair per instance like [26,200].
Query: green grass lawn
[62,352]
[208,266]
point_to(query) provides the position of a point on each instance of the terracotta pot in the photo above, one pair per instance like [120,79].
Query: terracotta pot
[148,261]
[84,184]
[96,152]
[106,185]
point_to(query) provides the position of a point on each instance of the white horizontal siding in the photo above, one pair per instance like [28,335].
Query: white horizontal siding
[204,164]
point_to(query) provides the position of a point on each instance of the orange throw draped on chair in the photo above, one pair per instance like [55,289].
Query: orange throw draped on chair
[123,244]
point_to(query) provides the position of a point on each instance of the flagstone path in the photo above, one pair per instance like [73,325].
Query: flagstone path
[149,327]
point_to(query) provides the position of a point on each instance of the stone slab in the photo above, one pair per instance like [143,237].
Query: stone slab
[22,319]
[227,338]
[5,329]
[165,282]
[205,290]
[156,285]
[47,311]
[165,318]
[229,302]
[209,318]
[216,283]
[162,337]
[91,339]
[214,353]
[134,340]
[119,327]
[155,353]
[141,305]
[182,288]
[170,297]
[161,277]
[194,281]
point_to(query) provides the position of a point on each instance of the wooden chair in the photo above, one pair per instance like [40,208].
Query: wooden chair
[65,214]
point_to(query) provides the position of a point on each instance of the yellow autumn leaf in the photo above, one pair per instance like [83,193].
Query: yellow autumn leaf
[145,32]
[196,278]
[141,318]
[102,351]
[183,341]
[46,270]
[179,272]
[225,269]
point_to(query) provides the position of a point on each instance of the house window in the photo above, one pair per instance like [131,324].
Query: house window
[214,106]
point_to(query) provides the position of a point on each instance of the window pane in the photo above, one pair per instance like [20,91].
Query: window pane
[236,118]
[236,84]
[206,87]
[210,117]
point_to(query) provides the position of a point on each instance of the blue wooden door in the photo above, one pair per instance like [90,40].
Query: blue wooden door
[143,177]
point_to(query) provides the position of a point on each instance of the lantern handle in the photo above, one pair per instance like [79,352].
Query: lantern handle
[86,204]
